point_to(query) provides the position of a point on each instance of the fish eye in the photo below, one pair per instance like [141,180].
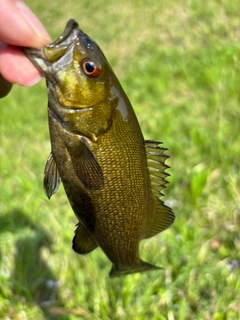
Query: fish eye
[91,68]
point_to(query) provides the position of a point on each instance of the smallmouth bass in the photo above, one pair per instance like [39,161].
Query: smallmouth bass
[112,177]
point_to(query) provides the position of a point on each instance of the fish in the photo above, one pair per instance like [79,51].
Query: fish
[112,177]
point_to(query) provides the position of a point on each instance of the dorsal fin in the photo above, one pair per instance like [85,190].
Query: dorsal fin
[161,216]
[51,179]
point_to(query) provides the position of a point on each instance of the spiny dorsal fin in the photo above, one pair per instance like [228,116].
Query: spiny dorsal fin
[161,216]
[86,166]
[83,242]
[51,179]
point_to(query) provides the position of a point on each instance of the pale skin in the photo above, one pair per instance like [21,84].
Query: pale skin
[19,27]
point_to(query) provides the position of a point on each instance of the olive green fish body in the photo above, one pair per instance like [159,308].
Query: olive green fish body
[112,177]
[115,225]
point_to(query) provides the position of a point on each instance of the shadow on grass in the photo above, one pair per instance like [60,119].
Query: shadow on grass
[32,279]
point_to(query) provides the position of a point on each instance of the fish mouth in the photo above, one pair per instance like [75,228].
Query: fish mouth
[68,36]
[55,50]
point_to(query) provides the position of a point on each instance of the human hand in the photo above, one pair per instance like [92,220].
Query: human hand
[19,27]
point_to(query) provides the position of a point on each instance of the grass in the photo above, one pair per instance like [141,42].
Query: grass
[179,64]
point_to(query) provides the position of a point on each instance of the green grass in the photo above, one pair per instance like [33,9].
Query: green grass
[179,64]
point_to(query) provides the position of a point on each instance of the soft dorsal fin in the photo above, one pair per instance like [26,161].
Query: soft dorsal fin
[83,242]
[161,216]
[51,179]
[86,166]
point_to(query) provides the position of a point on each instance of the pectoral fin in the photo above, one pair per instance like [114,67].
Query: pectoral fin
[83,242]
[86,166]
[51,179]
[161,216]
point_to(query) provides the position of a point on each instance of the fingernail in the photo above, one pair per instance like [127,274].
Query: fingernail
[32,82]
[33,22]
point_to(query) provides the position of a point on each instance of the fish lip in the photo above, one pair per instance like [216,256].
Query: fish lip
[68,36]
[64,41]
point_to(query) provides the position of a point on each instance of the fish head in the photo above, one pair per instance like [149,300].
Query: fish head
[79,79]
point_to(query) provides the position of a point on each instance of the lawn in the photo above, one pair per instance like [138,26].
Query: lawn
[179,63]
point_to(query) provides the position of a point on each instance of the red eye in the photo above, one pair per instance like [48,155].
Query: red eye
[91,68]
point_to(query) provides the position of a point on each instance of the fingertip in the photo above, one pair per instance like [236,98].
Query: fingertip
[20,27]
[15,67]
[41,36]
[32,81]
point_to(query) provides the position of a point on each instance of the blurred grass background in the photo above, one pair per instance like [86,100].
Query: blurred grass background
[179,64]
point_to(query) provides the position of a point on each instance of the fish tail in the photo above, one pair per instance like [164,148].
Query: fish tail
[142,266]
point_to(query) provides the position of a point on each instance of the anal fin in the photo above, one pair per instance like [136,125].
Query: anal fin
[83,242]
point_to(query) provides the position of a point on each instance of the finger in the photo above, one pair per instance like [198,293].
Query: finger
[19,26]
[15,67]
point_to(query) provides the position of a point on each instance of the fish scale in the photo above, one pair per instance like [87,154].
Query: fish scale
[112,177]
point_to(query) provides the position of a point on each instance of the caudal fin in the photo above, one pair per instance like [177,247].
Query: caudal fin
[118,271]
